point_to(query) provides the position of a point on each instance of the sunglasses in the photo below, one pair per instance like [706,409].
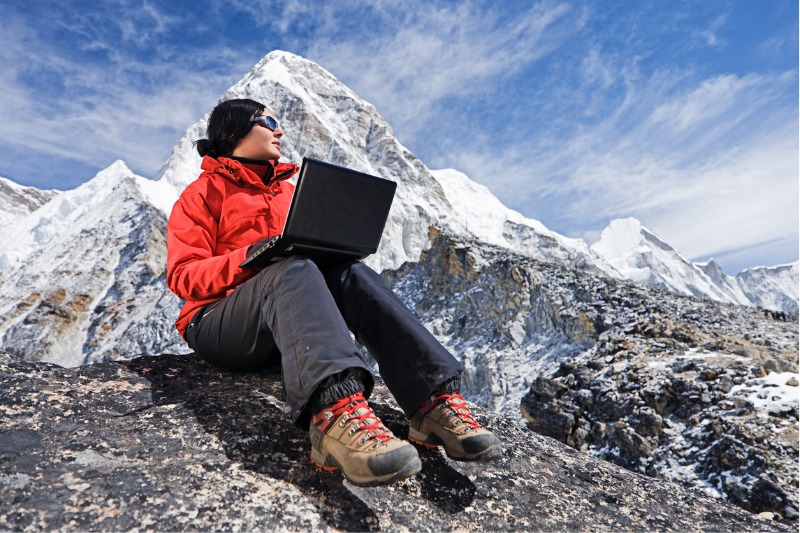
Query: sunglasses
[268,122]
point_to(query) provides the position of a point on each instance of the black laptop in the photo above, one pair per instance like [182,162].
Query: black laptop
[336,213]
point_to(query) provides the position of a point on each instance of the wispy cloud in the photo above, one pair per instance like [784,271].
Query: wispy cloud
[571,111]
[710,35]
[420,55]
[711,164]
[111,101]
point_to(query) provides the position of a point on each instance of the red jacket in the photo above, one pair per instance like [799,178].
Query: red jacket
[215,220]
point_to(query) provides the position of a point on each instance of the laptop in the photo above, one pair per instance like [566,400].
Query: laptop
[336,213]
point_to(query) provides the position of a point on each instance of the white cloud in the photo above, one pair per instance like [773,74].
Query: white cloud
[596,70]
[422,55]
[710,36]
[121,107]
[658,153]
[719,100]
[745,201]
[711,165]
[583,127]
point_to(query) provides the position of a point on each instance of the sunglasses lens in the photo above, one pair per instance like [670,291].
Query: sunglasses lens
[268,122]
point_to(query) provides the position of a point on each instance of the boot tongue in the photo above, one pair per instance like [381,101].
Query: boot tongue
[360,412]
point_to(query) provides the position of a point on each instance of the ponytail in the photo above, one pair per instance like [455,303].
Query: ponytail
[228,124]
[204,148]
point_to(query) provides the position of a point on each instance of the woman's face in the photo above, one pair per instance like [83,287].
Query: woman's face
[260,142]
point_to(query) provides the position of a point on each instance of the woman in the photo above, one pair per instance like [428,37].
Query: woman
[302,313]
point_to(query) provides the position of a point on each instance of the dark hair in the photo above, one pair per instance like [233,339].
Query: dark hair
[228,124]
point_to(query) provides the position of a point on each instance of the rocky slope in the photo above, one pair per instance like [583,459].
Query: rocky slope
[168,443]
[680,388]
[723,424]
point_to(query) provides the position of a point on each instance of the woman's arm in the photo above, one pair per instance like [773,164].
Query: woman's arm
[193,271]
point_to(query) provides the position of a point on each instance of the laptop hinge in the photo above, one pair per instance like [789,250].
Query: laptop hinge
[335,251]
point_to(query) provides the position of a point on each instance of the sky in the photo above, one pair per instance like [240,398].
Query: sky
[683,114]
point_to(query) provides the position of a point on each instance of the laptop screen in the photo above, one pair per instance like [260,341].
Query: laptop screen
[337,207]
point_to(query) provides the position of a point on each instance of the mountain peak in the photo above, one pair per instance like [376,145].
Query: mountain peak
[622,244]
[279,56]
[623,236]
[278,66]
[18,201]
[711,266]
[61,215]
[640,255]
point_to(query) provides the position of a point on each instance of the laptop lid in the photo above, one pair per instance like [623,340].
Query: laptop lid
[338,208]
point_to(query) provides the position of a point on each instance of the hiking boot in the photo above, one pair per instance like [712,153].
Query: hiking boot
[445,420]
[349,436]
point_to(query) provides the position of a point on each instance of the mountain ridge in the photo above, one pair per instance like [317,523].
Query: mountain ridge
[640,255]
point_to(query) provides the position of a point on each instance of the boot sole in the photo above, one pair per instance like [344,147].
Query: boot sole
[330,464]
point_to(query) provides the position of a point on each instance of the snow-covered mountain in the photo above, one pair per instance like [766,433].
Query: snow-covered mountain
[82,271]
[773,288]
[324,119]
[638,254]
[17,201]
[485,218]
[82,276]
[721,280]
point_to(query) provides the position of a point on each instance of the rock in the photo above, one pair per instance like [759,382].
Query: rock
[170,443]
[714,421]
[548,388]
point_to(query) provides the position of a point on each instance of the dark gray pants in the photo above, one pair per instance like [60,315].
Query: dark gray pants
[301,312]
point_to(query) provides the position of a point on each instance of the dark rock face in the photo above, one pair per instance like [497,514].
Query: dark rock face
[690,390]
[678,401]
[170,443]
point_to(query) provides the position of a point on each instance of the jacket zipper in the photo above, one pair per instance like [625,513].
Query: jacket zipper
[276,179]
[281,176]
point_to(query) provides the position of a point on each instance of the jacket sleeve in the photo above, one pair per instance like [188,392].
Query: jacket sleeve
[193,271]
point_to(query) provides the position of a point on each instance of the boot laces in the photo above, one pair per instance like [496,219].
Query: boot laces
[355,408]
[457,407]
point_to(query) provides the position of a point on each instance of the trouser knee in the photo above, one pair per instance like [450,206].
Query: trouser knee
[295,269]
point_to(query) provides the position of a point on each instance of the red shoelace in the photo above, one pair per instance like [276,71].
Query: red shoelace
[455,402]
[349,405]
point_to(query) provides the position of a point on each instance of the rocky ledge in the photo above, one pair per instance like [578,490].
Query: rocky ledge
[169,443]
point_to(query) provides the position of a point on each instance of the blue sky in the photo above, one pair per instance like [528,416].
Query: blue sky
[683,114]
